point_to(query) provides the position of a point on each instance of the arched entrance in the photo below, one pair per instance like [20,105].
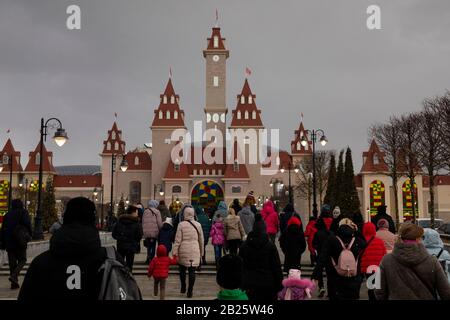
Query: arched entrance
[407,193]
[206,194]
[377,196]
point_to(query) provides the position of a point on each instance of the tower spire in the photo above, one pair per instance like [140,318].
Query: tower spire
[217,19]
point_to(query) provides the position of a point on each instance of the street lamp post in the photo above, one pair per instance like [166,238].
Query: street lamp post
[296,170]
[7,160]
[161,190]
[304,142]
[123,167]
[60,139]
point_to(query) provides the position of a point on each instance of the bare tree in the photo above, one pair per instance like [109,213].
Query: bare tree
[441,107]
[409,137]
[430,146]
[387,138]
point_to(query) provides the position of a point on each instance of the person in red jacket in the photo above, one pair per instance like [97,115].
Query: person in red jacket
[159,269]
[310,231]
[372,254]
[270,217]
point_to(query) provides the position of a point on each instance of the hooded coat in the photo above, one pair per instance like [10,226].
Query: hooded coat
[165,212]
[262,274]
[17,216]
[383,215]
[387,237]
[270,216]
[298,288]
[159,267]
[151,223]
[217,233]
[434,245]
[46,278]
[374,250]
[188,246]
[167,235]
[247,218]
[410,273]
[204,220]
[293,244]
[222,209]
[233,228]
[323,232]
[128,233]
[287,214]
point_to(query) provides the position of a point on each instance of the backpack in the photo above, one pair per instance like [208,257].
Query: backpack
[117,282]
[443,263]
[346,265]
[20,234]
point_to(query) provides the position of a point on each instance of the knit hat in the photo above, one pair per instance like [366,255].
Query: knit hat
[229,272]
[348,222]
[80,210]
[325,210]
[153,204]
[410,231]
[383,224]
[294,220]
[169,221]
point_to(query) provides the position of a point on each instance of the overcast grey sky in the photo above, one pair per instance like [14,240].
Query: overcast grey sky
[315,57]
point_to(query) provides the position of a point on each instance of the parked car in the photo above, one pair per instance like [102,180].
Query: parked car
[426,223]
[444,228]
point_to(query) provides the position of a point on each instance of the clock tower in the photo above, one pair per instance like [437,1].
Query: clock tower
[215,107]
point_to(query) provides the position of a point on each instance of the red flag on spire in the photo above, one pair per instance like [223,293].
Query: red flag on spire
[170,72]
[8,131]
[115,115]
[302,116]
[248,72]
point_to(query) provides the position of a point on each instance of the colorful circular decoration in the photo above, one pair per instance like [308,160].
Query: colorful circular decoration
[377,196]
[206,194]
[407,199]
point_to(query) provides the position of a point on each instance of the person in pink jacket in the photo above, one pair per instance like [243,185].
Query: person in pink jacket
[270,217]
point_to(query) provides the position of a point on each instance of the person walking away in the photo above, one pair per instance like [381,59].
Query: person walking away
[384,234]
[167,234]
[261,263]
[252,201]
[141,210]
[15,235]
[409,272]
[151,224]
[434,245]
[222,209]
[217,235]
[293,244]
[78,244]
[164,210]
[372,254]
[310,231]
[56,225]
[339,256]
[296,288]
[236,206]
[247,216]
[188,248]
[234,231]
[382,214]
[229,278]
[205,222]
[270,216]
[128,233]
[159,270]
[288,213]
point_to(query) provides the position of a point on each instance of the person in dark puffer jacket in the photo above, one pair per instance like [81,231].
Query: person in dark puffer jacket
[372,254]
[159,270]
[293,244]
[167,234]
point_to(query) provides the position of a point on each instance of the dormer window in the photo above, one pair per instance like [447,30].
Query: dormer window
[242,99]
[175,115]
[376,160]
[165,99]
[172,99]
[216,81]
[160,115]
[167,114]
[239,115]
[113,135]
[250,99]
[299,146]
[246,115]
[216,41]
[136,161]
[253,115]
[108,146]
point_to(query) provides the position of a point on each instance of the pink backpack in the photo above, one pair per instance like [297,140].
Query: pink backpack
[346,265]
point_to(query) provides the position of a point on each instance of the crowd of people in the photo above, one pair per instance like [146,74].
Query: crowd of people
[410,263]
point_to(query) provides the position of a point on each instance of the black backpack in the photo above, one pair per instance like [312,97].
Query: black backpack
[118,282]
[20,235]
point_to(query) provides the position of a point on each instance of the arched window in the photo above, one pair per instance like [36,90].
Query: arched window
[113,135]
[250,99]
[175,114]
[108,146]
[136,161]
[167,114]
[216,42]
[160,114]
[242,99]
[253,114]
[246,114]
[239,115]
[172,99]
[135,192]
[165,99]
[37,159]
[299,146]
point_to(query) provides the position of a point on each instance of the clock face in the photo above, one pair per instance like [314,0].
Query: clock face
[215,117]
[222,118]
[208,117]
[216,58]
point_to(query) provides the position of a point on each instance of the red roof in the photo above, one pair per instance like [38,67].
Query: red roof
[246,113]
[369,157]
[47,156]
[9,150]
[114,143]
[296,146]
[84,181]
[221,41]
[231,174]
[168,113]
[284,159]
[138,160]
[439,181]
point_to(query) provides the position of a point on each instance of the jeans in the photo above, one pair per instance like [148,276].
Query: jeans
[151,248]
[17,260]
[217,252]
